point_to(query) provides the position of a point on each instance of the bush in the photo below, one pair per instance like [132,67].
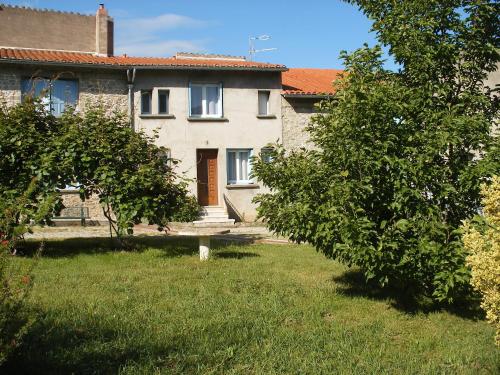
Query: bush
[15,320]
[189,211]
[483,242]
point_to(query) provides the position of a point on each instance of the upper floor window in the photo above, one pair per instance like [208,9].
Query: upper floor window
[264,102]
[205,100]
[146,102]
[163,102]
[56,95]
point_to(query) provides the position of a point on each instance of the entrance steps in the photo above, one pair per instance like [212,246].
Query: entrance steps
[214,216]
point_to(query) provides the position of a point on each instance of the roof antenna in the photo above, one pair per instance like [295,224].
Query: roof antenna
[251,46]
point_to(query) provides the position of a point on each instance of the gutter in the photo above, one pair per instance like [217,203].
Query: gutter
[307,96]
[142,67]
[130,85]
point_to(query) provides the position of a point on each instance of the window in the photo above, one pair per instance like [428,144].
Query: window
[56,95]
[264,103]
[238,166]
[265,155]
[205,100]
[146,102]
[163,102]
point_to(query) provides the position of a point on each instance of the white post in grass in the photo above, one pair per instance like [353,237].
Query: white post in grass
[204,247]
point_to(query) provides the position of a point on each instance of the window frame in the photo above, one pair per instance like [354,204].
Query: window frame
[161,92]
[47,100]
[268,104]
[149,93]
[204,85]
[237,159]
[265,155]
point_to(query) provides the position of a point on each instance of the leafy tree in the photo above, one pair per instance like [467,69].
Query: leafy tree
[30,168]
[400,155]
[133,178]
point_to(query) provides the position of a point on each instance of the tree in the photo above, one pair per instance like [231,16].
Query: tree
[400,155]
[30,168]
[133,178]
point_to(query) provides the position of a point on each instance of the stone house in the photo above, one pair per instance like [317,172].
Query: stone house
[213,112]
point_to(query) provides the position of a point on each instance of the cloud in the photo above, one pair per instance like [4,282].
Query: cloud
[160,48]
[146,36]
[163,22]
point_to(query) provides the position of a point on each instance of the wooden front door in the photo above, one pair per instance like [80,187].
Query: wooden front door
[207,177]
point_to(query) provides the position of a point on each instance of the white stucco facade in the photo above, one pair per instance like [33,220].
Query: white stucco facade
[240,127]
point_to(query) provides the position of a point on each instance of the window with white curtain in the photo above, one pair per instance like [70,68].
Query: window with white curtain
[238,166]
[205,100]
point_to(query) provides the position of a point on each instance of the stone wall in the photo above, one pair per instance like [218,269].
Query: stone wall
[71,199]
[95,88]
[296,114]
[108,89]
[10,84]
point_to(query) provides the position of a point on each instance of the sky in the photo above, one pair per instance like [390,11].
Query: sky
[306,33]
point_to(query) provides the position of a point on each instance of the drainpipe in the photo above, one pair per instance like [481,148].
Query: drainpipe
[130,84]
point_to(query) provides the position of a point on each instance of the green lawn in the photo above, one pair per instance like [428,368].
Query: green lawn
[254,309]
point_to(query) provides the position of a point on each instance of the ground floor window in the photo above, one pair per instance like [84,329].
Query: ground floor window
[238,166]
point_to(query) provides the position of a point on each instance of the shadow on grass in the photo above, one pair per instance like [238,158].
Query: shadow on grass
[352,283]
[170,246]
[52,347]
[235,255]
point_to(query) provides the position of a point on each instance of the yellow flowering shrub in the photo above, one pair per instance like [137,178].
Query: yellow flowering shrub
[484,254]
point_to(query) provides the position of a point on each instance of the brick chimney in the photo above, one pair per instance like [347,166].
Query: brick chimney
[104,38]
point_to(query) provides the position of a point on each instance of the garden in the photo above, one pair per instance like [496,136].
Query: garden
[250,309]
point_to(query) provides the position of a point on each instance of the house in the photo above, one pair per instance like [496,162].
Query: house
[302,89]
[212,112]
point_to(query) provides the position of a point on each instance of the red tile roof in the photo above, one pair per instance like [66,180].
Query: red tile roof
[305,81]
[79,58]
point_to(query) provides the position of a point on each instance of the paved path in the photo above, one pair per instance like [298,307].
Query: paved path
[240,232]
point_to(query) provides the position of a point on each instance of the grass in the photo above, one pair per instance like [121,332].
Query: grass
[253,309]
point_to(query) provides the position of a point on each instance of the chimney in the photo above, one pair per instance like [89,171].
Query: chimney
[104,38]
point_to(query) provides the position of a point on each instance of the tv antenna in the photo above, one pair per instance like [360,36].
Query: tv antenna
[251,45]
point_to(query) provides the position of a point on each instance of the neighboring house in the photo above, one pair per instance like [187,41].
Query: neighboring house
[213,112]
[303,88]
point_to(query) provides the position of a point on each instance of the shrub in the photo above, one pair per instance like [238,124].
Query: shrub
[483,242]
[15,319]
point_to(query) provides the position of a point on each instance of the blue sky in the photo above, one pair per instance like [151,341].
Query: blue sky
[306,33]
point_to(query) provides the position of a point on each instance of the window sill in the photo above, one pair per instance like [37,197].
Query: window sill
[242,186]
[207,119]
[266,116]
[159,116]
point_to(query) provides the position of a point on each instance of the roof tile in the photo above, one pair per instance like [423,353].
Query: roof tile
[48,56]
[306,81]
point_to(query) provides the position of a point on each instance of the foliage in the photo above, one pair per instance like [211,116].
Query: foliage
[133,178]
[30,168]
[15,285]
[190,211]
[400,155]
[483,243]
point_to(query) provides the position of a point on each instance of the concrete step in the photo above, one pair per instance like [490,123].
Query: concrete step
[208,224]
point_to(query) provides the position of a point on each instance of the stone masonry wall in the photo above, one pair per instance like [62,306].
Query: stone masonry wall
[95,88]
[10,84]
[71,199]
[296,114]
